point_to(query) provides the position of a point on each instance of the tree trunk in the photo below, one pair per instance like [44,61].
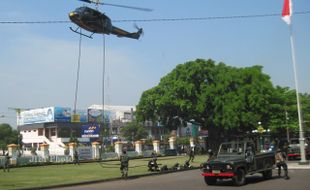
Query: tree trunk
[214,138]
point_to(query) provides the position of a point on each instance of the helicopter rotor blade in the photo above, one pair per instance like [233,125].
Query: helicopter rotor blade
[87,1]
[116,5]
[128,7]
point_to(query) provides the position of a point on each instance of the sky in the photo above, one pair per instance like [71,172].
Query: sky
[38,62]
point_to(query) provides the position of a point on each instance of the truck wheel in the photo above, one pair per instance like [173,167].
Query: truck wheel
[239,179]
[267,174]
[210,180]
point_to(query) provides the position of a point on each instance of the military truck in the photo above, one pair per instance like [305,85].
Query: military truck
[235,160]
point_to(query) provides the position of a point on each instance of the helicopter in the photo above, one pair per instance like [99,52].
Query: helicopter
[94,21]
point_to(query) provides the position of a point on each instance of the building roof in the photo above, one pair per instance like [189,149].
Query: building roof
[113,108]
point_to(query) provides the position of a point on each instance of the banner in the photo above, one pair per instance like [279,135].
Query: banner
[80,116]
[95,116]
[85,153]
[40,115]
[90,131]
[194,130]
[62,114]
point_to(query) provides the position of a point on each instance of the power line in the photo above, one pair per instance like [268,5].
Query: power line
[34,22]
[209,18]
[163,19]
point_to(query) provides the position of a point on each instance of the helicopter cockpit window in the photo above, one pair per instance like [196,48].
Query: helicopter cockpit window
[80,10]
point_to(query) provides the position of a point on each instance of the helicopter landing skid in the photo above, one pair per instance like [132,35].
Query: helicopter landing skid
[76,31]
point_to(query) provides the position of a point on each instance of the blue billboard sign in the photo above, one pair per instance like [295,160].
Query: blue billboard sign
[90,131]
[83,115]
[62,114]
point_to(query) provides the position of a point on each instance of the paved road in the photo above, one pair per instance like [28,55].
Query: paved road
[191,180]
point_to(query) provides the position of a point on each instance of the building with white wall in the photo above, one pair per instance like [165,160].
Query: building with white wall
[55,125]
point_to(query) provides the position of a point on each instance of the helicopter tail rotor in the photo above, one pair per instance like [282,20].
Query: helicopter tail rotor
[140,31]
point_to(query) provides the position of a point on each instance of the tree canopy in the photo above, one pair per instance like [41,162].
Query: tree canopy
[7,136]
[133,131]
[218,97]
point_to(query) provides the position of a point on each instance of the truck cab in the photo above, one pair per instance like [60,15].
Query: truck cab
[235,160]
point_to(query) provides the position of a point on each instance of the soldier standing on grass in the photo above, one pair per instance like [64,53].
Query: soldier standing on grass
[124,159]
[76,158]
[191,154]
[6,163]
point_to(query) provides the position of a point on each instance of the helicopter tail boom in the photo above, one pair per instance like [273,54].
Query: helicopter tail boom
[122,33]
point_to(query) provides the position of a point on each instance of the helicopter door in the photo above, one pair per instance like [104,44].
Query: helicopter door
[107,25]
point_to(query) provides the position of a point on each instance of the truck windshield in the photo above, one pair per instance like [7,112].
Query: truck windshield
[231,148]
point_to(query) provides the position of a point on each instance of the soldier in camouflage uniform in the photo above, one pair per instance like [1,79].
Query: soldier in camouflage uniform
[6,163]
[124,159]
[280,162]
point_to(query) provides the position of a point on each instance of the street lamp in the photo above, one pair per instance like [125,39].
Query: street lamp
[260,130]
[287,129]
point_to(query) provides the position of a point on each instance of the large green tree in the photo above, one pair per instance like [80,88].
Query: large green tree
[219,97]
[134,131]
[305,103]
[284,111]
[8,135]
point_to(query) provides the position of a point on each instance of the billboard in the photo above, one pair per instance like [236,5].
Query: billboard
[90,131]
[40,115]
[95,116]
[62,114]
[194,130]
[83,115]
[44,115]
[80,116]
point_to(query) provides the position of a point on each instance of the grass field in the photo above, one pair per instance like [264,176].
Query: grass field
[40,176]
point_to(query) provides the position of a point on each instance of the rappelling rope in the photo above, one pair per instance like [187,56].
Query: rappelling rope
[103,75]
[78,73]
[103,71]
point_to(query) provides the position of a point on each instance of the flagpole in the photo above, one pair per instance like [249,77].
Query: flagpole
[300,121]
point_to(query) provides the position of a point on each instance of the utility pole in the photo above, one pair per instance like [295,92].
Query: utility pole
[286,16]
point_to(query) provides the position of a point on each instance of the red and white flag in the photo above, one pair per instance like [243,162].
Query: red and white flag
[287,11]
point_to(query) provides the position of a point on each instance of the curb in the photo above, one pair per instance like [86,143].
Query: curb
[297,165]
